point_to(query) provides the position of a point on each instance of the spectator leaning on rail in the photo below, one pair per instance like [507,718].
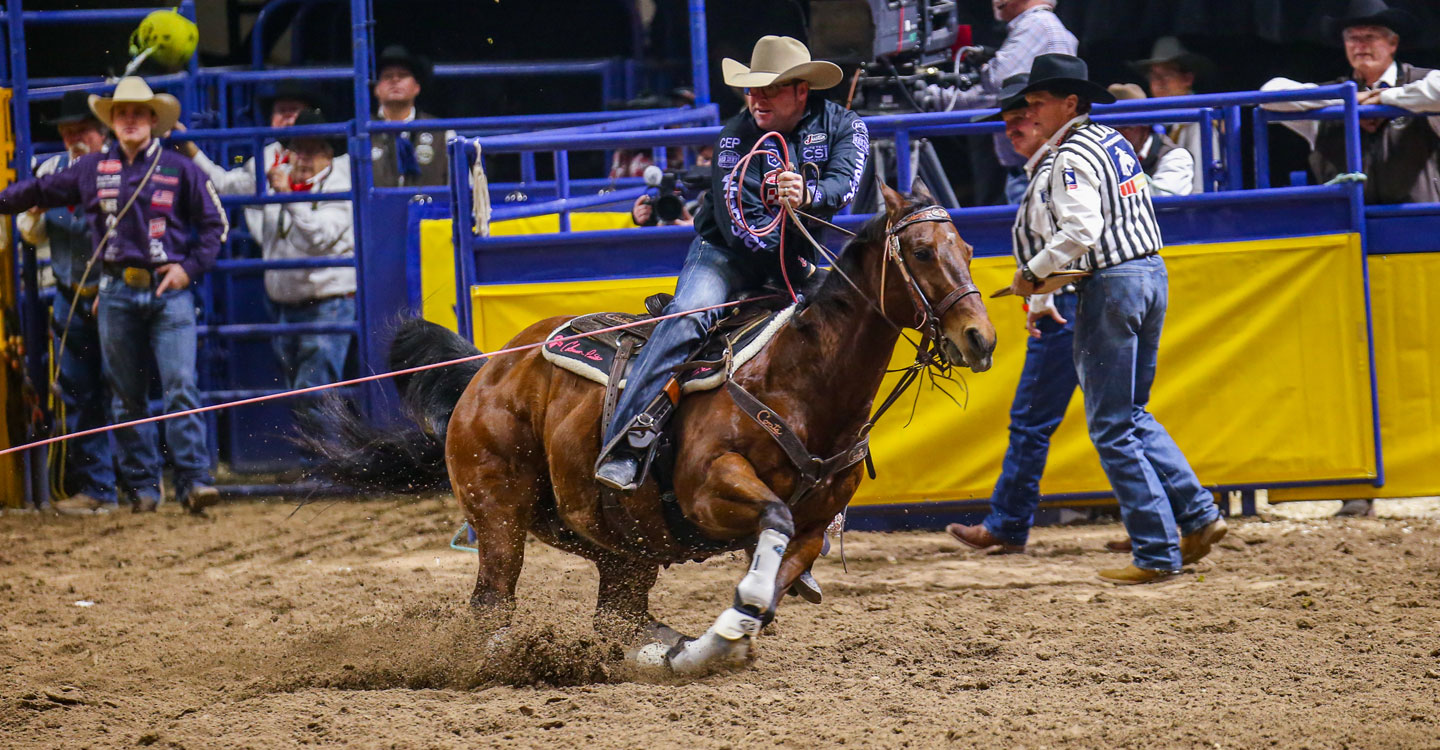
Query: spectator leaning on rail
[1171,169]
[81,379]
[1104,223]
[284,105]
[725,260]
[410,158]
[1048,379]
[1171,70]
[145,202]
[1032,29]
[289,231]
[1398,156]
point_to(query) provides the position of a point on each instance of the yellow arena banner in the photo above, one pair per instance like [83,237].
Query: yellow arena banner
[1263,377]
[1407,365]
[12,410]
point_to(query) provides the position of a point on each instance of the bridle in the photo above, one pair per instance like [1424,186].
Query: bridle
[929,316]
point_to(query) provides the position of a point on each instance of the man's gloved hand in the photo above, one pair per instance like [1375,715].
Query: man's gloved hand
[975,56]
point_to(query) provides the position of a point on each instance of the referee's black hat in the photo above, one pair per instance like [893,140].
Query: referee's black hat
[1065,74]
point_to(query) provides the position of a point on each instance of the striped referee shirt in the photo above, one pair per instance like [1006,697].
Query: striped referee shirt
[1099,200]
[1033,223]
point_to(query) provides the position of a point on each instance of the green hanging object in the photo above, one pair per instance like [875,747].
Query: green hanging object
[166,37]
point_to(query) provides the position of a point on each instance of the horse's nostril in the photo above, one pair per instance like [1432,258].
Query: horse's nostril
[977,341]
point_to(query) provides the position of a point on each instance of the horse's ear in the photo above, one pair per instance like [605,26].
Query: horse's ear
[894,201]
[922,193]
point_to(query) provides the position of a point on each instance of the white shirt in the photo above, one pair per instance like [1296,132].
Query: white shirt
[1174,175]
[296,230]
[1421,96]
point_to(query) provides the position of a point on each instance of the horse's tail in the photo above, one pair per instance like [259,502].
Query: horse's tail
[406,459]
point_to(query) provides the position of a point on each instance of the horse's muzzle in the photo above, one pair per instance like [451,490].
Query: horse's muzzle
[975,354]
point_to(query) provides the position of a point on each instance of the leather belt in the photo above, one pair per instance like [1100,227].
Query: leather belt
[134,277]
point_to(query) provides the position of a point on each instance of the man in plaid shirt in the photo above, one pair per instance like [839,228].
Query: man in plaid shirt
[1032,29]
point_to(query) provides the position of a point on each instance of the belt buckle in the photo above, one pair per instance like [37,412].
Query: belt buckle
[138,278]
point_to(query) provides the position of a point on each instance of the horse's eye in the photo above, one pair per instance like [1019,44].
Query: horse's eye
[924,254]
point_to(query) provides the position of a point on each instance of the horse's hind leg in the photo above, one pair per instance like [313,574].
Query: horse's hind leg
[622,608]
[499,508]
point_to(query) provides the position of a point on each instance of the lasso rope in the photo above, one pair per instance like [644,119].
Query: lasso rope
[777,222]
[365,379]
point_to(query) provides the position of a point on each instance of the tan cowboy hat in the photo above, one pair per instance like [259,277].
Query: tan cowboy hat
[779,59]
[134,90]
[1124,91]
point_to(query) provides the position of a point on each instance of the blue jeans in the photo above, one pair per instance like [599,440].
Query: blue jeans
[1047,382]
[133,324]
[711,275]
[313,358]
[90,465]
[1117,338]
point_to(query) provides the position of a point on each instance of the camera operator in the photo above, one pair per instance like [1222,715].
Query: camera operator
[665,204]
[1032,29]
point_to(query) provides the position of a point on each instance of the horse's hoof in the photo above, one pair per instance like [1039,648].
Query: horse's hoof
[659,632]
[807,588]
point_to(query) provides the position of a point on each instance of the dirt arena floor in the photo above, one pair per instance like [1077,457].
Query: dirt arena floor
[343,625]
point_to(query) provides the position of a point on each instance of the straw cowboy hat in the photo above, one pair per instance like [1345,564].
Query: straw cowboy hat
[1125,91]
[777,59]
[134,90]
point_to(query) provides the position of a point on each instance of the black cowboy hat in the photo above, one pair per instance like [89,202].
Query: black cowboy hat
[1010,97]
[316,117]
[1065,74]
[74,107]
[1169,49]
[1371,13]
[295,91]
[397,54]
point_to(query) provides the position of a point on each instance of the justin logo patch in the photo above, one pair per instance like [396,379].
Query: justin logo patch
[109,166]
[814,138]
[162,198]
[157,228]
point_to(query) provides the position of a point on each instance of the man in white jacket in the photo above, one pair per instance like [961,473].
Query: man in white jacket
[296,230]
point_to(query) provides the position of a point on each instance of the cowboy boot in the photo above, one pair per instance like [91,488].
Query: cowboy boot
[979,537]
[1131,575]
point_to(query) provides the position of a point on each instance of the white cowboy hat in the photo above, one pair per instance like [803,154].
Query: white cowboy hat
[134,90]
[780,59]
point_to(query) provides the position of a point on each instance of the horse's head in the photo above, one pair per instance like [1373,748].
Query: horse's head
[930,288]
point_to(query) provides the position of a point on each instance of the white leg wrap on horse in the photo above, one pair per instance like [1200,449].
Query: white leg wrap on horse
[728,640]
[757,588]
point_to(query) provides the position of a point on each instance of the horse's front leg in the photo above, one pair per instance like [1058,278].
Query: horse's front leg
[733,500]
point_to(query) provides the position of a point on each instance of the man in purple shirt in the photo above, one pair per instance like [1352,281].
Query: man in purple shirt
[143,202]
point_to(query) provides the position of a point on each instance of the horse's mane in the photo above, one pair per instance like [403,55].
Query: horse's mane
[871,234]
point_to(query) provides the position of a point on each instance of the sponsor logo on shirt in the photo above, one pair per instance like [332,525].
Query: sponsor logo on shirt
[168,171]
[1070,182]
[730,142]
[769,190]
[814,138]
[162,198]
[1134,184]
[109,166]
[157,227]
[107,181]
[728,159]
[109,205]
[771,159]
[165,179]
[108,193]
[815,153]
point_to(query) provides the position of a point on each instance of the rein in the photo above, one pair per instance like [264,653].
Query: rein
[813,469]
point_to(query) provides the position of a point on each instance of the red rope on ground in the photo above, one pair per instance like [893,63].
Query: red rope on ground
[365,379]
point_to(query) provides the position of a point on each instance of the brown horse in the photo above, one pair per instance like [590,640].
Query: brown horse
[523,437]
